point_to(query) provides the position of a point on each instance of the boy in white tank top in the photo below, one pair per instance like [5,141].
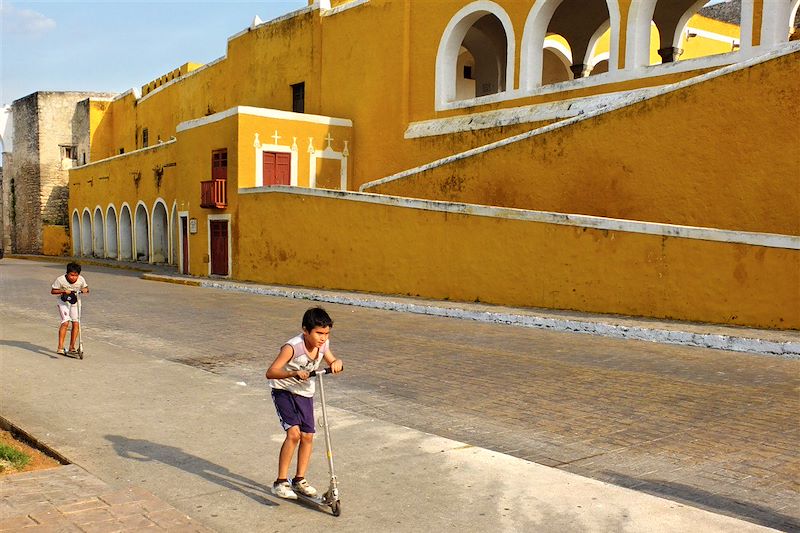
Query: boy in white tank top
[293,396]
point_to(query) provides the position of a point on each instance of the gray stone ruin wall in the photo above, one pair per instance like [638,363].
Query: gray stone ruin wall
[44,122]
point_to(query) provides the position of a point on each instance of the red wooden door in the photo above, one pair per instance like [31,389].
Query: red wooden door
[184,245]
[277,168]
[219,247]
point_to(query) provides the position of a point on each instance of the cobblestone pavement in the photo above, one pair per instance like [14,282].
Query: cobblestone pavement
[67,499]
[714,429]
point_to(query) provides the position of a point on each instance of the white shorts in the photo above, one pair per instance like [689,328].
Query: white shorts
[68,312]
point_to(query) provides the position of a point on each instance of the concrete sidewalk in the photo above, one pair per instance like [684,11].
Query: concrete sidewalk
[207,445]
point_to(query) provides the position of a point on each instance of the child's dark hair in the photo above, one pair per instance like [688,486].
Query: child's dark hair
[316,317]
[73,267]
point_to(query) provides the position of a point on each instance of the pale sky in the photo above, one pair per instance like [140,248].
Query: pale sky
[112,46]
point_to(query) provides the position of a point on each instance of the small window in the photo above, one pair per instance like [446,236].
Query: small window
[468,72]
[122,151]
[219,164]
[69,151]
[145,138]
[299,97]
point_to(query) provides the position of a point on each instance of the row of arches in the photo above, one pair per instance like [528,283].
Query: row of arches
[477,50]
[142,234]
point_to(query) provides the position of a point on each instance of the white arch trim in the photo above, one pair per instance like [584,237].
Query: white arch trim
[134,220]
[163,203]
[533,36]
[684,21]
[637,48]
[589,58]
[598,58]
[75,221]
[450,45]
[558,48]
[777,20]
[132,237]
[113,209]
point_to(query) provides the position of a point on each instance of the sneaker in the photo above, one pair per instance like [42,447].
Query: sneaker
[304,488]
[283,490]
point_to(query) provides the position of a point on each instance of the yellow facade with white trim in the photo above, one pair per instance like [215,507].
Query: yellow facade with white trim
[384,101]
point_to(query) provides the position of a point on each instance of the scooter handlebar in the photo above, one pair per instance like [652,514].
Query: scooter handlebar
[322,371]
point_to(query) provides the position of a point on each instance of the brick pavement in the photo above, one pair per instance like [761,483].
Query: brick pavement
[67,499]
[710,428]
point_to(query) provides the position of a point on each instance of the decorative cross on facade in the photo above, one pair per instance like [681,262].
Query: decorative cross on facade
[329,139]
[276,137]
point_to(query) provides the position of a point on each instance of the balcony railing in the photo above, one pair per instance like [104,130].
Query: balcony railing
[213,194]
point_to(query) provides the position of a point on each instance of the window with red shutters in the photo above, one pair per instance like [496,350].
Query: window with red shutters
[277,168]
[219,164]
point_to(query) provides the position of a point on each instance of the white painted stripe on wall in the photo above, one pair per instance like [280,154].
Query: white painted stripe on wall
[162,144]
[344,7]
[604,327]
[265,113]
[769,240]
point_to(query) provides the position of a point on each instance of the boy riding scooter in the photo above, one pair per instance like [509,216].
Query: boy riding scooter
[67,288]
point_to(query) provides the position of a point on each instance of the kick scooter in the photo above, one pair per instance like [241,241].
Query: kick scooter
[79,352]
[331,497]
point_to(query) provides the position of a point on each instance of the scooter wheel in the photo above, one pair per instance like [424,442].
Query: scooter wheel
[80,354]
[336,508]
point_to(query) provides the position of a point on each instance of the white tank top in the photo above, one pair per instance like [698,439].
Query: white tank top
[300,361]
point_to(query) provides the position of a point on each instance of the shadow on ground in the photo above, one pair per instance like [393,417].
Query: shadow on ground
[145,450]
[35,348]
[713,502]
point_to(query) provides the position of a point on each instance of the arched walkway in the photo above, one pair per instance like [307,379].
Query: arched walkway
[675,39]
[98,229]
[86,233]
[76,234]
[142,235]
[125,234]
[476,53]
[112,250]
[580,22]
[160,233]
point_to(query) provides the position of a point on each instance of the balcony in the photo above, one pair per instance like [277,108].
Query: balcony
[213,194]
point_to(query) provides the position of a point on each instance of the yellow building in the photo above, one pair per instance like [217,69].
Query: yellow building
[618,156]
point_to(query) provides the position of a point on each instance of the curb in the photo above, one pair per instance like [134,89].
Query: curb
[788,349]
[32,441]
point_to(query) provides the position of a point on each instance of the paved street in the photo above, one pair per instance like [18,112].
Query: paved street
[712,429]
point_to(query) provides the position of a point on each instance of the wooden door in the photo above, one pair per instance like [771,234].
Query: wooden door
[184,245]
[219,247]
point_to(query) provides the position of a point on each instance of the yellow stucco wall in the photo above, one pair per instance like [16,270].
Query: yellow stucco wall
[513,262]
[651,161]
[55,240]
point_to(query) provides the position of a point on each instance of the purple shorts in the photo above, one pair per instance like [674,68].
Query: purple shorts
[294,410]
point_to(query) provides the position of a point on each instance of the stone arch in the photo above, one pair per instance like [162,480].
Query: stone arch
[670,19]
[98,230]
[778,21]
[141,233]
[125,233]
[173,234]
[112,247]
[581,22]
[484,29]
[159,232]
[86,232]
[599,64]
[75,230]
[556,60]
